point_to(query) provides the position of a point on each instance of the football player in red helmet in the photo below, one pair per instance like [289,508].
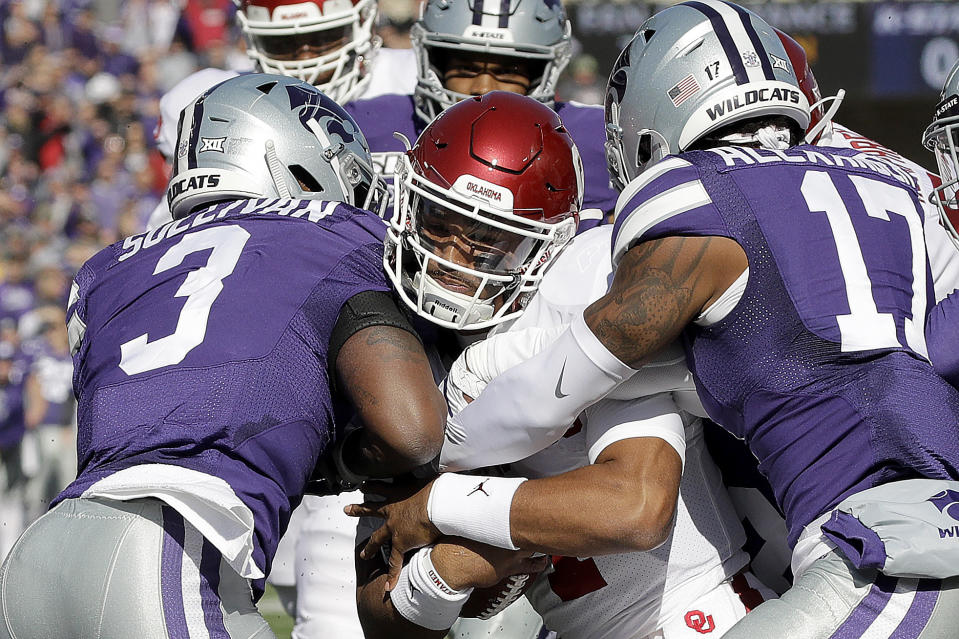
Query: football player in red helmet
[486,201]
[328,43]
[486,198]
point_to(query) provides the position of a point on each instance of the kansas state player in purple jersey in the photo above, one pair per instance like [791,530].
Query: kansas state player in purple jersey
[215,358]
[466,48]
[798,279]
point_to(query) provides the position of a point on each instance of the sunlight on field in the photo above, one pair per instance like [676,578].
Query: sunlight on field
[272,611]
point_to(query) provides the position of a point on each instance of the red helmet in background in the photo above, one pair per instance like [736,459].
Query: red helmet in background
[820,121]
[485,200]
[328,43]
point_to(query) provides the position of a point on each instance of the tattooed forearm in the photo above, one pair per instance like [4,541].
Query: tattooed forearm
[659,287]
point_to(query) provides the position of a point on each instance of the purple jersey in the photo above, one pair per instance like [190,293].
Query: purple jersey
[821,366]
[12,425]
[205,346]
[53,370]
[15,299]
[379,117]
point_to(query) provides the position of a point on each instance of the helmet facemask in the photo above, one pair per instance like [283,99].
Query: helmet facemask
[460,261]
[342,43]
[537,35]
[942,138]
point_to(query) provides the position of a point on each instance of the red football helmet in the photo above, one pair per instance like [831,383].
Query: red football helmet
[329,43]
[485,199]
[820,120]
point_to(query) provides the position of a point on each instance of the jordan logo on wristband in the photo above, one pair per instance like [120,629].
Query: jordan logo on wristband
[479,489]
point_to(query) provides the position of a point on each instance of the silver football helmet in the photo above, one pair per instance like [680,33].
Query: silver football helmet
[338,32]
[942,138]
[270,136]
[532,30]
[691,70]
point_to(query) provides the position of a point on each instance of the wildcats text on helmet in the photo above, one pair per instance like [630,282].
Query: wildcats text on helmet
[753,96]
[193,182]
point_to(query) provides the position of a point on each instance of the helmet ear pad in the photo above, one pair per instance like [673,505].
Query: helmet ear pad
[486,198]
[263,136]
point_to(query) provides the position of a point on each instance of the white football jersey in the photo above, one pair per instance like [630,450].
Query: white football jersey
[394,71]
[943,256]
[632,594]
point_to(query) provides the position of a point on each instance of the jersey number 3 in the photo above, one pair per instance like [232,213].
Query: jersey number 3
[201,288]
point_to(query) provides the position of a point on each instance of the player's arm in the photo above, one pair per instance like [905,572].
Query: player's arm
[624,501]
[942,337]
[435,584]
[382,369]
[658,288]
[35,404]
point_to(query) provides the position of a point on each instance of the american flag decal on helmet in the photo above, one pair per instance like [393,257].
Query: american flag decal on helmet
[683,90]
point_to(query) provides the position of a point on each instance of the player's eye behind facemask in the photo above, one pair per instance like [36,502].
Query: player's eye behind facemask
[471,242]
[312,44]
[536,32]
[504,68]
[329,43]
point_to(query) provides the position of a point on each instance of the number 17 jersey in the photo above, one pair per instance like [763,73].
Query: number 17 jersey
[200,355]
[821,364]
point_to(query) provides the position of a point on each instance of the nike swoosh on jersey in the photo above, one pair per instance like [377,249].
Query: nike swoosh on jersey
[559,383]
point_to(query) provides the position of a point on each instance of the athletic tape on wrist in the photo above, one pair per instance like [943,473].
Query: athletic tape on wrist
[474,507]
[423,597]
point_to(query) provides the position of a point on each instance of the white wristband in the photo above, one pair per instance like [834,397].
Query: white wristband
[474,507]
[423,597]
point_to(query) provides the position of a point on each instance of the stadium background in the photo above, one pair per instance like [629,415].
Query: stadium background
[80,82]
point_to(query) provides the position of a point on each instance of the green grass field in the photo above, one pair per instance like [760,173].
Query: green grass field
[273,612]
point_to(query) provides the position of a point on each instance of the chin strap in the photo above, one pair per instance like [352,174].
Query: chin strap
[450,306]
[814,132]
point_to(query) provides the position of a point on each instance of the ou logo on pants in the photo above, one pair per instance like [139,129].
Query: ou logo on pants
[700,621]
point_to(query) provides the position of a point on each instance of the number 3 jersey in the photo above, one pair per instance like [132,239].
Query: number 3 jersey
[816,356]
[200,362]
